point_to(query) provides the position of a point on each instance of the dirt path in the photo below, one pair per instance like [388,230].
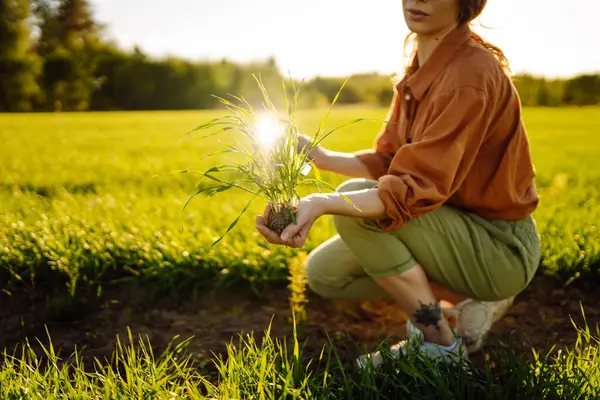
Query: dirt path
[539,317]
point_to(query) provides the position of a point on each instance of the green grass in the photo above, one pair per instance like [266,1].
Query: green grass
[270,369]
[87,199]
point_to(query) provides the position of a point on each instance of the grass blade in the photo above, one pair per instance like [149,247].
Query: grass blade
[316,142]
[326,116]
[234,223]
[265,94]
[209,124]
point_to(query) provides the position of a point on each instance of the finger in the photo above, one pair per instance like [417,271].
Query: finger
[290,231]
[263,229]
[271,236]
[299,240]
[267,212]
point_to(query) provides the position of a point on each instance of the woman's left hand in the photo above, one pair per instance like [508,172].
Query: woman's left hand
[309,209]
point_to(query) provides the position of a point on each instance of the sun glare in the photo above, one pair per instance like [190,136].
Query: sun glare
[267,130]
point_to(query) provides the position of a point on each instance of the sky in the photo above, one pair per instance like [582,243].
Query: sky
[553,38]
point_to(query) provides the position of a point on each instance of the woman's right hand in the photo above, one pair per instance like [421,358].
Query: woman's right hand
[317,154]
[347,164]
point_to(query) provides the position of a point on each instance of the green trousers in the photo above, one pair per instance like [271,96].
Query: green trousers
[487,260]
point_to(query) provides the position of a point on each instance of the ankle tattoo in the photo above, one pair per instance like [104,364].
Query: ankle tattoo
[428,314]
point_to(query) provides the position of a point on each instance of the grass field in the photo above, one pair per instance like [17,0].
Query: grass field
[88,199]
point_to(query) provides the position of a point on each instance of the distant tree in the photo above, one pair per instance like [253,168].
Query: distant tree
[384,99]
[19,65]
[555,92]
[77,69]
[47,26]
[583,90]
[70,42]
[528,87]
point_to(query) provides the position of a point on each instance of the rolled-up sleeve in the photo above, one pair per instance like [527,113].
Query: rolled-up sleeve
[378,159]
[424,174]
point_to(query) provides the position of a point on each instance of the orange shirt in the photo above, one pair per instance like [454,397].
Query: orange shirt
[454,135]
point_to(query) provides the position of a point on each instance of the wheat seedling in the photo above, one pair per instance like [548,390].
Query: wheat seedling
[274,166]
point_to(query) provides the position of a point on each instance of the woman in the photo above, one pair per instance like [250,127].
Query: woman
[446,195]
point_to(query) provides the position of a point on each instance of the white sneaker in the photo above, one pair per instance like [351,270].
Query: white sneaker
[433,351]
[474,319]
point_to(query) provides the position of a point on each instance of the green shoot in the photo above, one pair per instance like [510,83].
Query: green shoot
[267,138]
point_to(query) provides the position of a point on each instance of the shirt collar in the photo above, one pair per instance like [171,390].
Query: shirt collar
[420,78]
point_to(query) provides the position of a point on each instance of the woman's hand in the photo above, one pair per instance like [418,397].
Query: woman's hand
[366,204]
[317,155]
[310,208]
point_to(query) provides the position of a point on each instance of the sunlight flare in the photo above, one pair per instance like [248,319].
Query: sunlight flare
[267,130]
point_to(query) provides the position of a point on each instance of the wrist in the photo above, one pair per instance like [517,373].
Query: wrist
[320,203]
[364,204]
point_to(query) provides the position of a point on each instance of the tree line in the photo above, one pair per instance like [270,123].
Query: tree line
[54,57]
